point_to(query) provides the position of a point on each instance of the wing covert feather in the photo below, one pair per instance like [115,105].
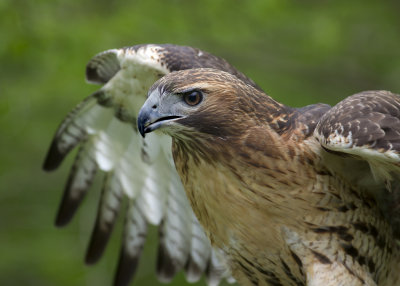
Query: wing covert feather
[366,125]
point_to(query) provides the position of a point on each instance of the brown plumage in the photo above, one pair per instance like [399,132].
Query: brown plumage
[275,187]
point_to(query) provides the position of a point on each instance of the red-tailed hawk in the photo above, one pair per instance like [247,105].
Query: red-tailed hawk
[352,176]
[291,196]
[137,169]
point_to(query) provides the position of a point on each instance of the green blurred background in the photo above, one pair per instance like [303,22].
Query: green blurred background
[300,52]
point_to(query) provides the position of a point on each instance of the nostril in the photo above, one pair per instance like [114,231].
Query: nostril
[154,106]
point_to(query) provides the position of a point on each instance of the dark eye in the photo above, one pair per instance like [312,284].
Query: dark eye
[193,98]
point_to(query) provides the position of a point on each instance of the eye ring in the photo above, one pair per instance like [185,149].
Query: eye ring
[193,97]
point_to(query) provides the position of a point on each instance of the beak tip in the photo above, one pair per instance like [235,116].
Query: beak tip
[141,120]
[141,130]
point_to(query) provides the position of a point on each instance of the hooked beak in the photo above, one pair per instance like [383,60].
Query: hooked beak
[150,119]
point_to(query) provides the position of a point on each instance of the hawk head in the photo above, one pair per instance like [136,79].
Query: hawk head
[205,103]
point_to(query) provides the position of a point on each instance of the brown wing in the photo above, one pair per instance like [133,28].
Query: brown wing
[369,120]
[367,127]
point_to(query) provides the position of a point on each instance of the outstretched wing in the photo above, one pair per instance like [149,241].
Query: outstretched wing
[142,170]
[367,127]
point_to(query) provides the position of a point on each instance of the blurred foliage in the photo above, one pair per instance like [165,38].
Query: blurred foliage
[300,52]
